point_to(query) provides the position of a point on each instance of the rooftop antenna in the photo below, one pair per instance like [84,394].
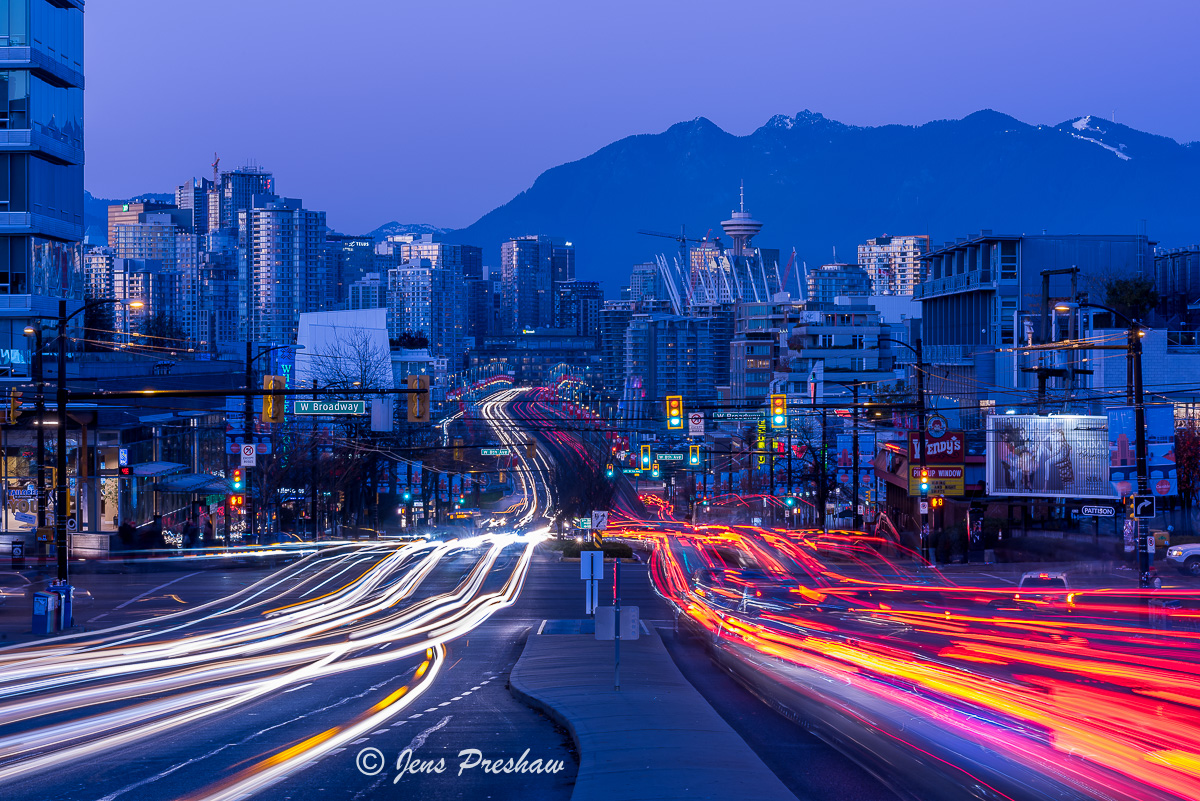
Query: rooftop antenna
[742,197]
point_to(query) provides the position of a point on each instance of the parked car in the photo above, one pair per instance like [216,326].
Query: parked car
[1185,558]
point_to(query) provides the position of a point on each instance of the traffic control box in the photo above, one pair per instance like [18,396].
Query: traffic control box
[45,612]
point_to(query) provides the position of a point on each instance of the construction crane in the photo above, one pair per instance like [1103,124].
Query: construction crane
[215,165]
[682,238]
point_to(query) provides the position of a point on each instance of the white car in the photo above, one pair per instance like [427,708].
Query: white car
[1186,558]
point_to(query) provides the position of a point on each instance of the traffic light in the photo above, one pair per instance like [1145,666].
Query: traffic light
[418,399]
[778,411]
[458,453]
[237,501]
[274,406]
[937,501]
[693,455]
[646,457]
[924,480]
[407,496]
[608,470]
[654,471]
[789,501]
[237,479]
[14,406]
[674,411]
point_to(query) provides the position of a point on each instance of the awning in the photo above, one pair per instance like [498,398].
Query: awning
[192,482]
[156,469]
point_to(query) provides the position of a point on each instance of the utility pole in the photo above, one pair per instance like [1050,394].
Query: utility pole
[248,433]
[1139,424]
[60,479]
[312,475]
[41,425]
[854,495]
[822,477]
[921,428]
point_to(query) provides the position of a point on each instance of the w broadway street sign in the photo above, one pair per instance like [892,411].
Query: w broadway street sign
[329,407]
[494,452]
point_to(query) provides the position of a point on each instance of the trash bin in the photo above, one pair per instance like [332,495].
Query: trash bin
[66,610]
[45,612]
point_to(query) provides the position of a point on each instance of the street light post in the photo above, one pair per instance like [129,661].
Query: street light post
[35,330]
[1135,387]
[921,434]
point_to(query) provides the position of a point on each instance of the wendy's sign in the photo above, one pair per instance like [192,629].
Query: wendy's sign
[950,448]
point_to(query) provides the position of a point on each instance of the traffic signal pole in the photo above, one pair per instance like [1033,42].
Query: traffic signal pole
[924,464]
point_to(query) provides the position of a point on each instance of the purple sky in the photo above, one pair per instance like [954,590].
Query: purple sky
[439,111]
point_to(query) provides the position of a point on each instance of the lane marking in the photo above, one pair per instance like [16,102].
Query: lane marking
[155,589]
[298,687]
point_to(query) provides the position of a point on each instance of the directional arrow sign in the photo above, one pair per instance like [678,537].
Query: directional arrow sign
[1143,506]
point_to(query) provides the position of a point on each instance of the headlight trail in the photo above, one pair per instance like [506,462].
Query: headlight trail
[326,615]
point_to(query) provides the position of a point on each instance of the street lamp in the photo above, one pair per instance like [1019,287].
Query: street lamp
[921,429]
[34,330]
[60,480]
[1134,349]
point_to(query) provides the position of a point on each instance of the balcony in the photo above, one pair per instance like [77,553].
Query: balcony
[976,279]
[18,223]
[44,140]
[44,65]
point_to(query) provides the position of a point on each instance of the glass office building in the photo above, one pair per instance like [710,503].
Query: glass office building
[41,167]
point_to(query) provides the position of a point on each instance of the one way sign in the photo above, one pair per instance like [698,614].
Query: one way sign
[1143,506]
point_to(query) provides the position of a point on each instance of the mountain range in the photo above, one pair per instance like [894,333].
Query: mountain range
[817,184]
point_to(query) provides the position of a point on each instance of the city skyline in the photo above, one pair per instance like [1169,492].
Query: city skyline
[493,145]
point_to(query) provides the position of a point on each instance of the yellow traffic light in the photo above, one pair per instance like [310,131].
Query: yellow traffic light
[14,406]
[694,455]
[645,457]
[274,406]
[778,411]
[458,451]
[418,399]
[674,411]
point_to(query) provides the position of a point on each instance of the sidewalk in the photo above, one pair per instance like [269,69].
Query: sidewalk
[655,739]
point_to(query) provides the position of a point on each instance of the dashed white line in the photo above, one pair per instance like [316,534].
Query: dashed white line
[456,698]
[444,703]
[298,687]
[359,740]
[410,717]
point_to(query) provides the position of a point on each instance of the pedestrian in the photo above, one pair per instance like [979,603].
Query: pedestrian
[190,532]
[127,535]
[207,534]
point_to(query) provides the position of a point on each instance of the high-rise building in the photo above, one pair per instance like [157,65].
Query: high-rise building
[614,322]
[42,193]
[235,194]
[529,266]
[483,307]
[279,254]
[368,292]
[192,195]
[646,283]
[130,214]
[347,259]
[577,306]
[98,269]
[220,317]
[425,299]
[830,281]
[671,355]
[893,263]
[161,240]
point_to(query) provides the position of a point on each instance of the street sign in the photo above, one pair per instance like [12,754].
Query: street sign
[249,456]
[606,619]
[1143,507]
[585,522]
[924,507]
[591,565]
[756,415]
[494,452]
[599,520]
[329,407]
[696,424]
[631,471]
[1098,511]
[669,457]
[123,457]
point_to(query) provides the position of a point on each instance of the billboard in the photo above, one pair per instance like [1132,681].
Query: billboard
[1160,450]
[1060,456]
[845,458]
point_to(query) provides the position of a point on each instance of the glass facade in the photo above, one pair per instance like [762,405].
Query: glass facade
[56,31]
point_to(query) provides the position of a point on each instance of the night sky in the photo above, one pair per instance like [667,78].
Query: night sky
[378,110]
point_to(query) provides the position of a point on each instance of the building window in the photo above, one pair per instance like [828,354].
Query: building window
[856,340]
[825,341]
[1008,261]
